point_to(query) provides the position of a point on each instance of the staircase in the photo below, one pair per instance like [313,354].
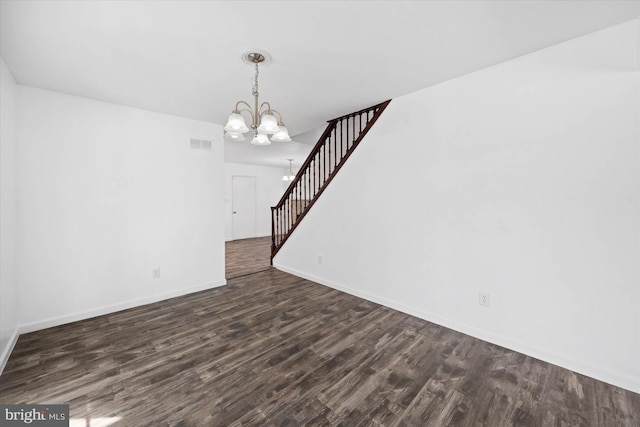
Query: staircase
[338,141]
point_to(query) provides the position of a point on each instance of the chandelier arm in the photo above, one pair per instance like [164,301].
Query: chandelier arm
[242,103]
[267,111]
[248,110]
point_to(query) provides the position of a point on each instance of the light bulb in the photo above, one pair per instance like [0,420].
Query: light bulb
[268,124]
[234,136]
[236,124]
[261,139]
[282,135]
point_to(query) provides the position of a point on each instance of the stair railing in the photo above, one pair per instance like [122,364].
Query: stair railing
[334,147]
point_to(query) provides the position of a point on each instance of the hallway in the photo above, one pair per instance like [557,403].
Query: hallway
[247,256]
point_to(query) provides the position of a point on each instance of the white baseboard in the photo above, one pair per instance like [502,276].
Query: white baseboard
[99,311]
[616,378]
[6,352]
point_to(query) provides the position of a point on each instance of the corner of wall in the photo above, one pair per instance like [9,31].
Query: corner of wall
[8,348]
[8,216]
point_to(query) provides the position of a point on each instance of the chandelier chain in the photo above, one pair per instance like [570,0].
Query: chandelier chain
[255,82]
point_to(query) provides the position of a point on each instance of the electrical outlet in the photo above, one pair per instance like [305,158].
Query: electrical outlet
[319,259]
[155,273]
[484,299]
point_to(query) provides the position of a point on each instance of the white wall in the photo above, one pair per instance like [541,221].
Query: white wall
[522,181]
[108,193]
[269,189]
[8,211]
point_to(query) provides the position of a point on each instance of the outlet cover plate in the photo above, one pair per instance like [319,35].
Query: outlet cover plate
[484,299]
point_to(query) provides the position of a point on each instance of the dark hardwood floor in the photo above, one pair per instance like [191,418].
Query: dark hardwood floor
[247,256]
[273,349]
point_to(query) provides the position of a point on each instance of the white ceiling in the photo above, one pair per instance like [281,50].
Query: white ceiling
[329,58]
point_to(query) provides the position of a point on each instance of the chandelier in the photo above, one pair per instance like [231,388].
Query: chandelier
[291,176]
[263,120]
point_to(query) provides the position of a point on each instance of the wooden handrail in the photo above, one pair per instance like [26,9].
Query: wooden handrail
[318,170]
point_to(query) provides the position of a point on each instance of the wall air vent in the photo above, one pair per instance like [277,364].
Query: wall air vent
[201,144]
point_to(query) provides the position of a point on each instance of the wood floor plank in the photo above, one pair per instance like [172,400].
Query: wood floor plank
[274,349]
